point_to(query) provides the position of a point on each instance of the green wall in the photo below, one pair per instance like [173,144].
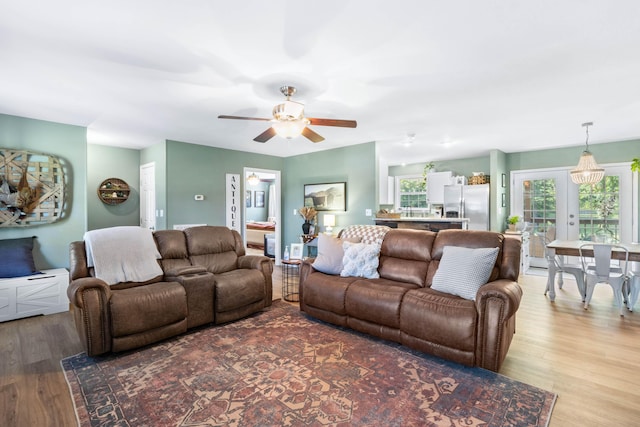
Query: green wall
[254,213]
[69,144]
[198,169]
[112,162]
[183,170]
[499,189]
[613,152]
[354,165]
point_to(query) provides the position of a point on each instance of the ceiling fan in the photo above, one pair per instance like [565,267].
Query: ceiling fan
[289,120]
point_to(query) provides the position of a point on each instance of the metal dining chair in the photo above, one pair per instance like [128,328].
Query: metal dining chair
[561,267]
[602,272]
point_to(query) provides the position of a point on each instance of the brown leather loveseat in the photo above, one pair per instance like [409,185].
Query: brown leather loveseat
[400,305]
[207,278]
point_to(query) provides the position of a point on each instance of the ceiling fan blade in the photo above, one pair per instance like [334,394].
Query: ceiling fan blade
[244,118]
[333,122]
[311,135]
[266,135]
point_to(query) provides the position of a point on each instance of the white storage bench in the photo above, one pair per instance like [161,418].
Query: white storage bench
[44,293]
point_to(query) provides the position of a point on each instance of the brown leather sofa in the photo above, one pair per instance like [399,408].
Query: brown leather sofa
[400,306]
[207,279]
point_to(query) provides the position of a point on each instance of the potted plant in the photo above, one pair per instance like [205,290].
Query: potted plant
[309,214]
[635,165]
[512,221]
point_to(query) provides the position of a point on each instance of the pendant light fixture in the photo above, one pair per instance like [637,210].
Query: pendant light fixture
[253,179]
[587,171]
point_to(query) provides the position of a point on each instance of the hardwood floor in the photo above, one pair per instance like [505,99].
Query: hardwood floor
[591,359]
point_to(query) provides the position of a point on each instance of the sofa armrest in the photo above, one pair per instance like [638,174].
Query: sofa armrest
[496,303]
[90,297]
[263,264]
[78,287]
[306,268]
[257,262]
[506,291]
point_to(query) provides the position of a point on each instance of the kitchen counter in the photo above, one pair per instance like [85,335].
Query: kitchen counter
[424,223]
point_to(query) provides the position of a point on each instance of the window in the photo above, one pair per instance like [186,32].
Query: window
[600,210]
[412,193]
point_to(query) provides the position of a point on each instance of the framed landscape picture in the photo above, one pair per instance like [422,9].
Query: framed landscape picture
[331,196]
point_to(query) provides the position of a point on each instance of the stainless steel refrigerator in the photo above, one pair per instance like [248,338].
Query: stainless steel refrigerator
[468,201]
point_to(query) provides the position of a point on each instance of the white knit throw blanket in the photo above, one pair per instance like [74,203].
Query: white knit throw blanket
[122,254]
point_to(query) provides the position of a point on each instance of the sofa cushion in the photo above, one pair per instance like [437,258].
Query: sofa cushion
[377,301]
[360,260]
[172,246]
[405,255]
[463,270]
[439,319]
[213,247]
[17,257]
[330,253]
[238,288]
[144,308]
[326,292]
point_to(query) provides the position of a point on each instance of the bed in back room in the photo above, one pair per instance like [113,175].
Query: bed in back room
[256,232]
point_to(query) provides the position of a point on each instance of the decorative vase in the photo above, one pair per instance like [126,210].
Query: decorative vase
[305,227]
[512,227]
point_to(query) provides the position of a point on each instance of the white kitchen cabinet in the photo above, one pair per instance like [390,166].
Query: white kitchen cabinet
[44,293]
[435,186]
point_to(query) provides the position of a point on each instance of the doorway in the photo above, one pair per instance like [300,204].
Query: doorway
[148,196]
[555,208]
[261,209]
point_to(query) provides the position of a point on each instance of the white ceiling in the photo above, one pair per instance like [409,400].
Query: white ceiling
[478,74]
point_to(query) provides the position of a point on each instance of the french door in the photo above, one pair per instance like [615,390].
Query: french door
[556,208]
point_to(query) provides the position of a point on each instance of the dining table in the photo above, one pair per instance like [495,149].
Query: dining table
[572,248]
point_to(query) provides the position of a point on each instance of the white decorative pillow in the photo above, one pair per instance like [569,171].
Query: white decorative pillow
[360,260]
[330,253]
[463,270]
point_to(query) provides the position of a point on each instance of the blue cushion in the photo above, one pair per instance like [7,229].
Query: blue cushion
[16,257]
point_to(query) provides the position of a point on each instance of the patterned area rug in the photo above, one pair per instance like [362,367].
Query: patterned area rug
[281,368]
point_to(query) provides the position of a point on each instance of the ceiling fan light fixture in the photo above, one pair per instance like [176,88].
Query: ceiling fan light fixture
[587,171]
[290,128]
[253,179]
[288,110]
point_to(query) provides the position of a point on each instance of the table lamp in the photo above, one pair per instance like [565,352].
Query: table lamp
[329,223]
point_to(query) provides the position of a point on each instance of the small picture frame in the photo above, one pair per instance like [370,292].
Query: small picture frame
[258,201]
[296,251]
[247,198]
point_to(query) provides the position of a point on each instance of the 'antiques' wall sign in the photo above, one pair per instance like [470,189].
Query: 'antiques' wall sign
[31,188]
[233,201]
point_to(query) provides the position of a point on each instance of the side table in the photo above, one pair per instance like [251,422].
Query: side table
[291,280]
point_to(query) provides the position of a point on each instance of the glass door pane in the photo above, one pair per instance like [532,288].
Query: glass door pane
[536,196]
[600,210]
